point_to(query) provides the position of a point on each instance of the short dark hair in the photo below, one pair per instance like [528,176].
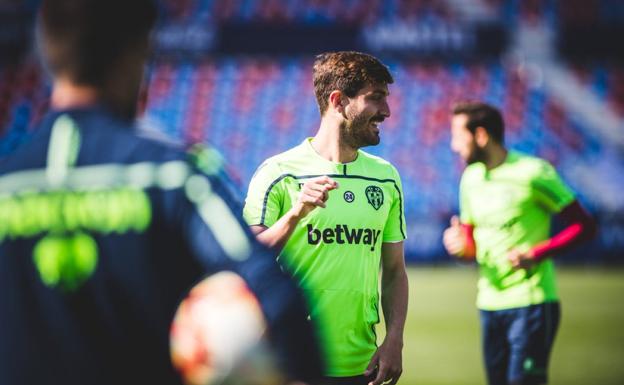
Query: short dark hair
[482,115]
[347,72]
[84,39]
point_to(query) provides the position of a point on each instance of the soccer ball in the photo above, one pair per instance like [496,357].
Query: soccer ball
[216,335]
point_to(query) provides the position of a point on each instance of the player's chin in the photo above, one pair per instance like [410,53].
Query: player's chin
[373,139]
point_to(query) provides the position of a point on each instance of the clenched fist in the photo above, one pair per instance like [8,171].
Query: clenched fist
[314,193]
[457,241]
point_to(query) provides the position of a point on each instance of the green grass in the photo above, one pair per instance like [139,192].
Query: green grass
[442,339]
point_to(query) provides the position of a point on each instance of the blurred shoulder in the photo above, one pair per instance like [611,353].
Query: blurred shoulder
[530,166]
[281,163]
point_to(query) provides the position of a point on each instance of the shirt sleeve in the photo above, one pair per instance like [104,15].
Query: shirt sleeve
[265,196]
[395,230]
[465,215]
[550,190]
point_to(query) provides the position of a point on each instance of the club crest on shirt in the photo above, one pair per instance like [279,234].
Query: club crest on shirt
[375,196]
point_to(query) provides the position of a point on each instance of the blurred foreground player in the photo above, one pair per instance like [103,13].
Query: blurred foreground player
[507,200]
[102,231]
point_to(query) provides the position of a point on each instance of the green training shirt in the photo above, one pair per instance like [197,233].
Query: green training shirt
[510,207]
[334,252]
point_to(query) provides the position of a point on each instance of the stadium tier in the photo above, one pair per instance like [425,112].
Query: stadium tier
[305,11]
[577,12]
[607,81]
[199,88]
[251,109]
[23,100]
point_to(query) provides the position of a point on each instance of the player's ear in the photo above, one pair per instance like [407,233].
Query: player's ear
[338,101]
[482,137]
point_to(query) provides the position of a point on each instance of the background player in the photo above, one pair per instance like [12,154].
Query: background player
[338,212]
[102,231]
[506,201]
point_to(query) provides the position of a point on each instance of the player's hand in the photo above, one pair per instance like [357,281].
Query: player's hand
[454,239]
[520,259]
[314,193]
[388,361]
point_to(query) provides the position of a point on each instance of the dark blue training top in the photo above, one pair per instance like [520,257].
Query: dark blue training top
[102,231]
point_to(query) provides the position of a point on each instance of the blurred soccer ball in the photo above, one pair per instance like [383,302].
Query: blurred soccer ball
[216,335]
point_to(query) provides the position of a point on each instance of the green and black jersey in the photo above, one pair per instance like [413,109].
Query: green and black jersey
[510,207]
[335,251]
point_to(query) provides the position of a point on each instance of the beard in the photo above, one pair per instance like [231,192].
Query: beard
[356,131]
[478,154]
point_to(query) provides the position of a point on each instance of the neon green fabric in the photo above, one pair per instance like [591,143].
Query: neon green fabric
[510,207]
[335,251]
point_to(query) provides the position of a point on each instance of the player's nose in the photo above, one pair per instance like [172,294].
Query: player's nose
[385,110]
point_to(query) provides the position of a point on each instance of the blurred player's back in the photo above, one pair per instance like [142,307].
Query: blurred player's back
[87,265]
[102,231]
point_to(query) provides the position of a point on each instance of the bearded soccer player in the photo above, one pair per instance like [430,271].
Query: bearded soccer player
[507,200]
[103,231]
[336,212]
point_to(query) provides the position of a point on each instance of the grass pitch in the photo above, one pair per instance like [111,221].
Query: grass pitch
[442,337]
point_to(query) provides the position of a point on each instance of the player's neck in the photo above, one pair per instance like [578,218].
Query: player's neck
[496,156]
[66,94]
[327,143]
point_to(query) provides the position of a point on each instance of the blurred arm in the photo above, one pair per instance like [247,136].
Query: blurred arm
[470,249]
[221,240]
[580,227]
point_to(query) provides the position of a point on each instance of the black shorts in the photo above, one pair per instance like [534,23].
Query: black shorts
[517,343]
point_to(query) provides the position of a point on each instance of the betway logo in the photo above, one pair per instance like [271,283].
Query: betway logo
[342,234]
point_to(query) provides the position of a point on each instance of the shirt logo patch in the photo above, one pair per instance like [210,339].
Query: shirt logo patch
[375,196]
[349,196]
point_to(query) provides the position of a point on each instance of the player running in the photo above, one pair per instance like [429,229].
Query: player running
[337,212]
[507,200]
[102,231]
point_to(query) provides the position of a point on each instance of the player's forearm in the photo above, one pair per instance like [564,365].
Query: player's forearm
[394,297]
[277,235]
[564,241]
[581,227]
